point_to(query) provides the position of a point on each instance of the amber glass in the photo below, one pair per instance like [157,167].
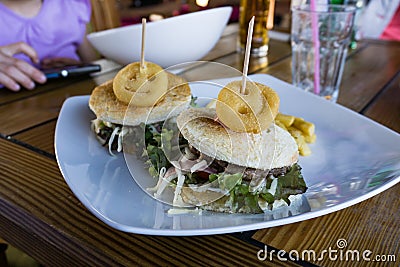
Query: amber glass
[259,9]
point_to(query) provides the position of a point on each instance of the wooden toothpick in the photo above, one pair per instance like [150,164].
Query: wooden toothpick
[142,63]
[247,55]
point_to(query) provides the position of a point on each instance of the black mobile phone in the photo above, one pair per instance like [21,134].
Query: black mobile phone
[71,70]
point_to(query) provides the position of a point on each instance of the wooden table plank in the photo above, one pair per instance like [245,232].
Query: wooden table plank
[386,109]
[7,96]
[226,45]
[231,65]
[40,137]
[280,70]
[39,108]
[363,226]
[380,65]
[277,51]
[43,217]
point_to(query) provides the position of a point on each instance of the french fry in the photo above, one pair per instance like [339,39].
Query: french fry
[304,149]
[298,119]
[286,120]
[280,124]
[301,130]
[296,133]
[310,139]
[305,127]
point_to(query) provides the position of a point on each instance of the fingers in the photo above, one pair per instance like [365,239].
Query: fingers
[15,73]
[58,62]
[19,72]
[20,47]
[9,83]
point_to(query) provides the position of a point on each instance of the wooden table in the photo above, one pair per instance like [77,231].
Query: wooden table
[40,215]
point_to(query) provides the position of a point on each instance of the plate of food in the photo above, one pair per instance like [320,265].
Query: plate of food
[308,157]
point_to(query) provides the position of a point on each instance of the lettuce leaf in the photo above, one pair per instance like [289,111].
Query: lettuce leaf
[242,199]
[159,138]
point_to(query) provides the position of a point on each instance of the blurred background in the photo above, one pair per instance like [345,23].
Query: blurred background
[127,12]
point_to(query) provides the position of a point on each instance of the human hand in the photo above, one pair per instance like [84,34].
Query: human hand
[15,72]
[49,63]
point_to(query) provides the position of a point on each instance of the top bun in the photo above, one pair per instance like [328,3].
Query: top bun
[107,107]
[269,149]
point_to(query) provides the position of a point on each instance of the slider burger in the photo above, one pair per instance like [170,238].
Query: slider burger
[137,101]
[234,158]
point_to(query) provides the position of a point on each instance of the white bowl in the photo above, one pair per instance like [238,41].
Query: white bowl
[170,41]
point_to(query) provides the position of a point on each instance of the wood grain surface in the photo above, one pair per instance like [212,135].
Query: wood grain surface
[40,137]
[363,226]
[40,215]
[379,66]
[41,198]
[385,110]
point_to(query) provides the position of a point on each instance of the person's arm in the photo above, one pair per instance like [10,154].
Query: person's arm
[86,51]
[15,72]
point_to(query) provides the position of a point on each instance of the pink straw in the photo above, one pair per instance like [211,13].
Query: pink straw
[314,25]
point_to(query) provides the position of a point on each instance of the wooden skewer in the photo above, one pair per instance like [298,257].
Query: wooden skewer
[247,55]
[142,63]
[271,11]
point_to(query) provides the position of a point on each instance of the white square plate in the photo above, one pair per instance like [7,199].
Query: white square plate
[353,159]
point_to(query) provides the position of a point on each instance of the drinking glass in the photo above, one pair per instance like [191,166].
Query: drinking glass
[320,39]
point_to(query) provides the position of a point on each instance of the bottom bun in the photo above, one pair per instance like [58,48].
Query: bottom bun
[232,194]
[218,202]
[207,200]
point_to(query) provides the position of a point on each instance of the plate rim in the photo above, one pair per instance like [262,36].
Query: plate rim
[83,99]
